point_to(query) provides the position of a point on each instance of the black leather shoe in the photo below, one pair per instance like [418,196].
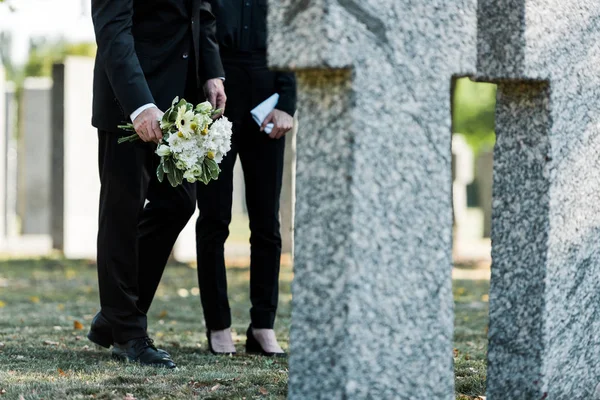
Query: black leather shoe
[142,351]
[101,333]
[216,353]
[253,347]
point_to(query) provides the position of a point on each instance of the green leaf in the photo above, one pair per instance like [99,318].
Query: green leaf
[213,168]
[166,163]
[178,176]
[160,172]
[181,103]
[172,179]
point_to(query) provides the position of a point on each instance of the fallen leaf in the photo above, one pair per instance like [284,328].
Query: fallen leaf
[2,304]
[2,391]
[485,297]
[77,325]
[195,291]
[215,388]
[61,372]
[129,396]
[263,391]
[50,343]
[77,337]
[183,293]
[163,314]
[455,351]
[85,348]
[57,328]
[1,345]
[60,307]
[34,299]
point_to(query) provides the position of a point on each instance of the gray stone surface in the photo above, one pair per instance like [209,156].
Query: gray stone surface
[372,315]
[35,157]
[544,300]
[75,180]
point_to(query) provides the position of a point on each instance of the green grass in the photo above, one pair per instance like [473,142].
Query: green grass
[470,338]
[42,355]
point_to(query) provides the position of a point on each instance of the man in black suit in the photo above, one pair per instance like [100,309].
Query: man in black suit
[242,36]
[149,52]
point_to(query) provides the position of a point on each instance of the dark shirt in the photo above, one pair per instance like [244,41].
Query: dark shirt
[242,32]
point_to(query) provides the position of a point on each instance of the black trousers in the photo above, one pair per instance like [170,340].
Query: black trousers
[248,84]
[135,239]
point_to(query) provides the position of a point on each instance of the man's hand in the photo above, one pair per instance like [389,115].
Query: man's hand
[147,125]
[282,123]
[214,90]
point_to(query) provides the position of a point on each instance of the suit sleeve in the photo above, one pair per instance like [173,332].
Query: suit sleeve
[112,25]
[210,59]
[286,87]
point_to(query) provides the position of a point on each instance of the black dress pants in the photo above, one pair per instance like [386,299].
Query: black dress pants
[135,238]
[248,84]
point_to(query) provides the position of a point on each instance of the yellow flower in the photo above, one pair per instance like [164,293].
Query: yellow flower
[205,131]
[194,126]
[180,134]
[210,155]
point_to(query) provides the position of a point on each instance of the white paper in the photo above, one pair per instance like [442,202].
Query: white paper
[261,111]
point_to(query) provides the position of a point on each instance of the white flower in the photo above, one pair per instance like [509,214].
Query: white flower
[204,108]
[184,121]
[163,151]
[189,176]
[202,121]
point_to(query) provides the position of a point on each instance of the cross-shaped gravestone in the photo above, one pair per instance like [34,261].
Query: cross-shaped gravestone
[372,314]
[545,296]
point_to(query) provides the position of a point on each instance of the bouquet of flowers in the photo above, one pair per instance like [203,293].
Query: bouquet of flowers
[193,144]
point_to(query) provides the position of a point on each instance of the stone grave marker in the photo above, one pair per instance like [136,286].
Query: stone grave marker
[75,180]
[544,299]
[372,301]
[34,156]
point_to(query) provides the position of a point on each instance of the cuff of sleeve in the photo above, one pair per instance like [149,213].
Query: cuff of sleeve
[137,112]
[287,105]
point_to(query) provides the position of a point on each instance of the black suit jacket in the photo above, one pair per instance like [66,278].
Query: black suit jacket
[145,51]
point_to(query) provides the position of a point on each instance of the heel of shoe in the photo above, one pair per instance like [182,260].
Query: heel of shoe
[210,347]
[252,345]
[99,340]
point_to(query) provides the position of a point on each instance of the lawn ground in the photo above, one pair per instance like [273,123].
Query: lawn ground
[46,306]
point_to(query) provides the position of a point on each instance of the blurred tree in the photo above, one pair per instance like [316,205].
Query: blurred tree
[43,54]
[474,106]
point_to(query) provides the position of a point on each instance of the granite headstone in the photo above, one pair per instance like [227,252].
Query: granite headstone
[544,301]
[35,165]
[75,180]
[372,301]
